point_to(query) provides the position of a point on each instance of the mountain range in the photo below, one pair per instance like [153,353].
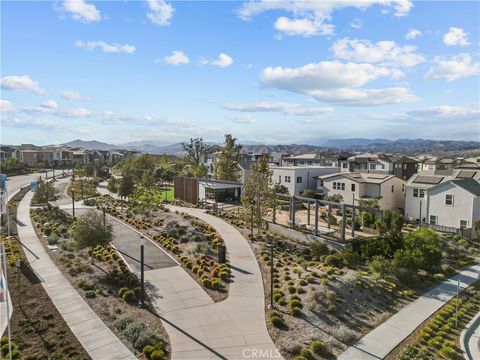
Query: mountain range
[405,146]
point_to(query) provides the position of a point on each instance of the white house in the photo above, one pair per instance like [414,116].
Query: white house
[388,189]
[417,186]
[454,203]
[299,178]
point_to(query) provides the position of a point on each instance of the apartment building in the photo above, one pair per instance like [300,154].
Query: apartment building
[387,189]
[314,159]
[297,179]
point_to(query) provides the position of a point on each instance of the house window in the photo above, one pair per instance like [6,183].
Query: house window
[299,179]
[341,186]
[393,188]
[334,185]
[302,162]
[449,199]
[463,224]
[383,167]
[403,187]
[418,193]
[287,179]
[433,219]
[309,162]
[344,165]
[279,178]
[372,166]
[353,187]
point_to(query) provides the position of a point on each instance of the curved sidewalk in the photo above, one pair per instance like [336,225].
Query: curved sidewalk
[470,339]
[232,329]
[97,339]
[379,342]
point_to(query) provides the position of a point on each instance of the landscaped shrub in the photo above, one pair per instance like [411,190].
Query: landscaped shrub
[295,311]
[334,260]
[90,294]
[277,322]
[292,289]
[147,350]
[319,348]
[146,337]
[295,303]
[129,296]
[133,330]
[122,291]
[157,355]
[123,321]
[307,354]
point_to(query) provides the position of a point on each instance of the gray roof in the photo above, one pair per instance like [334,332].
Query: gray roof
[245,165]
[470,185]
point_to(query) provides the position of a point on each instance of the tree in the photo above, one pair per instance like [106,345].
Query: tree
[424,248]
[258,193]
[227,164]
[45,192]
[126,186]
[112,185]
[309,193]
[200,171]
[195,149]
[90,231]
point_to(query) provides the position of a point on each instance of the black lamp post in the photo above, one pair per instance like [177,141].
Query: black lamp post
[104,216]
[142,277]
[271,306]
[73,203]
[81,186]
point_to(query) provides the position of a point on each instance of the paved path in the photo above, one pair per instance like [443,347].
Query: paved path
[97,339]
[382,340]
[470,339]
[201,329]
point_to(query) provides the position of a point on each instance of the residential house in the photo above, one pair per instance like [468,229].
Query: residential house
[454,203]
[36,156]
[387,189]
[400,166]
[297,179]
[437,166]
[245,160]
[313,159]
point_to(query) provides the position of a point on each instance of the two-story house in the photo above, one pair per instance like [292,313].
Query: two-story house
[454,203]
[387,189]
[297,179]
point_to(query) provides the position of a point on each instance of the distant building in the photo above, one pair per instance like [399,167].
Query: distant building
[387,189]
[437,166]
[401,166]
[297,179]
[313,159]
[195,190]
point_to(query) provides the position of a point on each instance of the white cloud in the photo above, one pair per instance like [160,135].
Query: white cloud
[223,61]
[413,34]
[461,65]
[309,17]
[336,82]
[356,23]
[366,97]
[26,123]
[180,122]
[106,48]
[383,52]
[50,104]
[113,118]
[82,11]
[178,57]
[446,112]
[160,12]
[275,106]
[19,83]
[6,106]
[455,36]
[242,118]
[73,95]
[304,27]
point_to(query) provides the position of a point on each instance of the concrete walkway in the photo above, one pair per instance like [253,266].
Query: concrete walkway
[378,343]
[470,339]
[97,339]
[201,329]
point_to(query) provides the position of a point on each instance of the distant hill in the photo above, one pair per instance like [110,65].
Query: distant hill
[404,146]
[91,145]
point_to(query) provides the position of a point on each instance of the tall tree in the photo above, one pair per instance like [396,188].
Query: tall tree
[258,193]
[227,164]
[195,149]
[126,186]
[90,231]
[45,192]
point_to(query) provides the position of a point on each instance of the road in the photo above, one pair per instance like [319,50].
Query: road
[14,183]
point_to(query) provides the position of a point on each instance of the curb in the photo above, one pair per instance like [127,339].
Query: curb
[466,336]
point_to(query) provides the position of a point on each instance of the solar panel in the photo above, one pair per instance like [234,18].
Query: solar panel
[380,177]
[428,179]
[466,174]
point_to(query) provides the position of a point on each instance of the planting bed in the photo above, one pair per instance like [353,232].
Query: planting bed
[438,337]
[193,242]
[108,286]
[38,330]
[89,188]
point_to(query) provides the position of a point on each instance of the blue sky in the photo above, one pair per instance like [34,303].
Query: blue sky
[272,72]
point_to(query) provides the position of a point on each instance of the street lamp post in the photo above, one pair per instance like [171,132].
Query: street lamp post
[73,203]
[81,186]
[104,216]
[271,306]
[142,272]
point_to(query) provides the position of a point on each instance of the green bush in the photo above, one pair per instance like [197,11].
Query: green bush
[295,311]
[449,352]
[146,337]
[295,303]
[307,354]
[439,277]
[123,320]
[319,348]
[122,291]
[147,350]
[277,322]
[90,294]
[157,355]
[133,330]
[129,296]
[292,289]
[334,260]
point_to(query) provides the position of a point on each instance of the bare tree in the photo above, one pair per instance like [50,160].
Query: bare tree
[195,149]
